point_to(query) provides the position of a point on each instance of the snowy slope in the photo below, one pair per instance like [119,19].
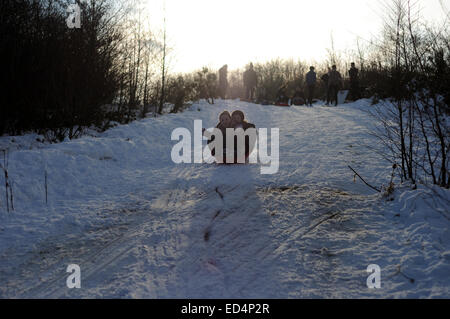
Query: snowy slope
[140,226]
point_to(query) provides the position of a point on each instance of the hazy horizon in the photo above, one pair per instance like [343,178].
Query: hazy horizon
[213,33]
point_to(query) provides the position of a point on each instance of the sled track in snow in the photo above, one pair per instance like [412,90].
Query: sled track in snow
[223,233]
[62,252]
[81,250]
[90,263]
[221,240]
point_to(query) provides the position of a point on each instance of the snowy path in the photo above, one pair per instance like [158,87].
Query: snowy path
[140,226]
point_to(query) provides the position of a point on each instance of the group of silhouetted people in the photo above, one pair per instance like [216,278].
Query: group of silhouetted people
[250,82]
[332,82]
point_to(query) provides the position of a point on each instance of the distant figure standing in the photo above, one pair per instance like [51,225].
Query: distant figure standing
[223,81]
[250,82]
[334,84]
[311,79]
[354,82]
[325,79]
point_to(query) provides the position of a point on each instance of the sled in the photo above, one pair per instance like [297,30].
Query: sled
[342,95]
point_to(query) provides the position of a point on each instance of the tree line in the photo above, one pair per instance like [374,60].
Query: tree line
[58,80]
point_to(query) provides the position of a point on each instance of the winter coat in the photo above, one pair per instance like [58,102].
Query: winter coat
[250,78]
[353,73]
[311,78]
[334,78]
[248,147]
[247,125]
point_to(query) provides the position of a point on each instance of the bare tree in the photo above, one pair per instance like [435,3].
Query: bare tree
[414,128]
[162,97]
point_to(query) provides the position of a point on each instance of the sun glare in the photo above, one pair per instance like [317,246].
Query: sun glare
[234,32]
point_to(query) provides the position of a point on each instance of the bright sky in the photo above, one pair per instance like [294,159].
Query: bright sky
[234,32]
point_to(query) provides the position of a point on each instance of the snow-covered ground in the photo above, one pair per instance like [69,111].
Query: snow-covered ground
[140,226]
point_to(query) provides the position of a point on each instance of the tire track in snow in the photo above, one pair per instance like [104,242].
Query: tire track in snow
[96,259]
[90,262]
